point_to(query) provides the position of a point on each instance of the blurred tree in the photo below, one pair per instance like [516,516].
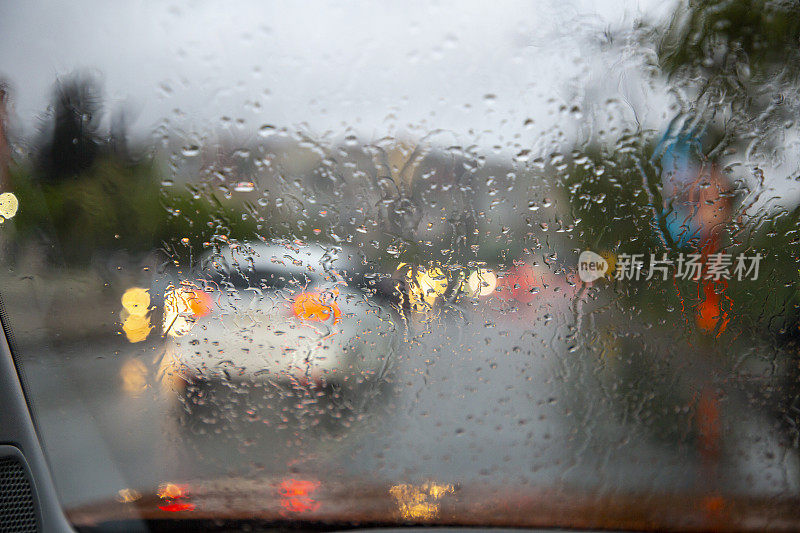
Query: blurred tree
[86,196]
[747,41]
[5,151]
[739,58]
[734,66]
[119,135]
[70,141]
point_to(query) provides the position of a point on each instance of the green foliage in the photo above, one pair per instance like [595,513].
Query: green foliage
[738,63]
[113,206]
[616,197]
[722,35]
[771,301]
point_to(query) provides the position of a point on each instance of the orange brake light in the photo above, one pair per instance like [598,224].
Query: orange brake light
[200,303]
[317,307]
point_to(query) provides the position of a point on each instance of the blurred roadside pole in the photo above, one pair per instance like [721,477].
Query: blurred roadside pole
[5,150]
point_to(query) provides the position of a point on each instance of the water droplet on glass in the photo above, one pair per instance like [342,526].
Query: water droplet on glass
[191,151]
[244,186]
[266,130]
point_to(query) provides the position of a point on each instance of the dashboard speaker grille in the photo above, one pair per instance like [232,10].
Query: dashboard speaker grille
[17,503]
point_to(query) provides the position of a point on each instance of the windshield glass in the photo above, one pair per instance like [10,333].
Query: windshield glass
[505,264]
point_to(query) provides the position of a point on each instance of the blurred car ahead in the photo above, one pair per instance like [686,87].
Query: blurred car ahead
[278,314]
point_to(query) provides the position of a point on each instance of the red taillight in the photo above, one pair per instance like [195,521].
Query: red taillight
[296,495]
[176,496]
[519,284]
[177,507]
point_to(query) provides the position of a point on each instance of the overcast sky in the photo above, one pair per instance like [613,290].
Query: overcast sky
[478,70]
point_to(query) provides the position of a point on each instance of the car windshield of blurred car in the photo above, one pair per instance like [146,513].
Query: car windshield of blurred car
[507,264]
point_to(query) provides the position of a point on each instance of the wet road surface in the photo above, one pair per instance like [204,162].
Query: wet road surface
[474,396]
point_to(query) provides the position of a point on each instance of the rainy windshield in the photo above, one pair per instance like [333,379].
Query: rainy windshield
[514,264]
